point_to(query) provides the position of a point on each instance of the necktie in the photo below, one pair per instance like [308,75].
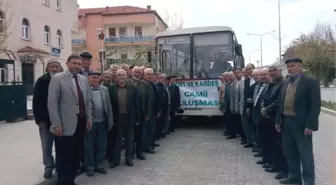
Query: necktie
[81,103]
[259,93]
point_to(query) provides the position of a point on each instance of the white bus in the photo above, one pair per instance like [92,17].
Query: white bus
[198,56]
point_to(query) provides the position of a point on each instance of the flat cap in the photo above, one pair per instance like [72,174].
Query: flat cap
[94,73]
[86,55]
[296,60]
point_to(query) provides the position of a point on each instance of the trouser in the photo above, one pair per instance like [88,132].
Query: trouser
[123,129]
[232,124]
[298,150]
[69,152]
[166,120]
[239,126]
[47,141]
[267,140]
[150,132]
[280,160]
[95,145]
[159,125]
[248,127]
[140,134]
[256,131]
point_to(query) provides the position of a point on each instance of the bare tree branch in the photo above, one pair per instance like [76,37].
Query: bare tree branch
[5,22]
[173,20]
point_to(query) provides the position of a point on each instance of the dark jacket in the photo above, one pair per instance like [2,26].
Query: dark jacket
[270,98]
[163,96]
[307,102]
[133,104]
[156,100]
[248,93]
[40,99]
[256,113]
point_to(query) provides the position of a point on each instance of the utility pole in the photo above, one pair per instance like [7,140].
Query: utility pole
[279,19]
[261,46]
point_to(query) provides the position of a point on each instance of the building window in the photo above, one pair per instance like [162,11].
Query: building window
[59,38]
[46,2]
[3,75]
[112,32]
[138,31]
[122,32]
[46,35]
[58,5]
[25,29]
[2,22]
[123,56]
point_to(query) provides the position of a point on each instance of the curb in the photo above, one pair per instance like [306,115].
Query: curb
[328,111]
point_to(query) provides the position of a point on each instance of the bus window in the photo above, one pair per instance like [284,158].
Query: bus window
[175,55]
[212,51]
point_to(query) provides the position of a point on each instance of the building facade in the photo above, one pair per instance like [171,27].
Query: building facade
[129,32]
[32,32]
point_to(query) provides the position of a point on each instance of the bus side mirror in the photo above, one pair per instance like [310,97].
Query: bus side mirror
[149,56]
[239,50]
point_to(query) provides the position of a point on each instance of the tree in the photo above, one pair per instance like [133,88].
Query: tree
[5,22]
[317,50]
[173,20]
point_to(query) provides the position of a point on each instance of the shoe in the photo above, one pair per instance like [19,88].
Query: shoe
[47,175]
[257,155]
[266,165]
[150,151]
[156,145]
[291,180]
[101,170]
[248,145]
[261,161]
[231,137]
[113,165]
[243,142]
[90,173]
[129,162]
[271,170]
[141,156]
[281,175]
[255,150]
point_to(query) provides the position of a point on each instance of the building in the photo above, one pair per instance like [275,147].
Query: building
[129,32]
[32,32]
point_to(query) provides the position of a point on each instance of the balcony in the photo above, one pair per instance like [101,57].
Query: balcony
[78,42]
[131,39]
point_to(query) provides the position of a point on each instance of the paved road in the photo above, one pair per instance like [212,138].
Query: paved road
[188,157]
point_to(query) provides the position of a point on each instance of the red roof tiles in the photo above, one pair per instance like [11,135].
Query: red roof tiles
[114,10]
[29,49]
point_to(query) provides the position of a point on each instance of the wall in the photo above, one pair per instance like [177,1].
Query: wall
[40,15]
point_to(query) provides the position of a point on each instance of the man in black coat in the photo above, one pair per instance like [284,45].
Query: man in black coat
[175,103]
[87,59]
[41,115]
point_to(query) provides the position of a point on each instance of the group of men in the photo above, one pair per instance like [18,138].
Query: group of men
[91,116]
[275,117]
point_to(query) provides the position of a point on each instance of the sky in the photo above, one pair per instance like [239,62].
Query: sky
[244,16]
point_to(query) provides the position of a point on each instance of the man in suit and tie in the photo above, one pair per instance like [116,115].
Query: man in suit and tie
[146,101]
[41,115]
[175,103]
[69,106]
[297,119]
[248,105]
[126,112]
[102,117]
[235,105]
[228,106]
[87,59]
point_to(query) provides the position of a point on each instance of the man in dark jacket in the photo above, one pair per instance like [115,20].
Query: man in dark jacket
[175,103]
[41,115]
[148,77]
[87,59]
[297,118]
[165,101]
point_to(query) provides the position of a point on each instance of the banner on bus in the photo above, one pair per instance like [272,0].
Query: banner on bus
[199,93]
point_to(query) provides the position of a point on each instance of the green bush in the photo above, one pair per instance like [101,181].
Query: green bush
[329,105]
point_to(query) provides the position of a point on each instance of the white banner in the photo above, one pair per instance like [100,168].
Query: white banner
[199,93]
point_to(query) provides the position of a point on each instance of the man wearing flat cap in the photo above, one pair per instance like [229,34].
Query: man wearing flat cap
[102,121]
[86,58]
[297,119]
[41,115]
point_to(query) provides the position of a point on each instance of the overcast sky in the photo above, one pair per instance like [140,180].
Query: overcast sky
[244,16]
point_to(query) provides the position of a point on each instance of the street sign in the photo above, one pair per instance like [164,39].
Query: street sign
[56,52]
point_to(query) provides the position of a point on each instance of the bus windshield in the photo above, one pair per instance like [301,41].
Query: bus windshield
[174,55]
[212,51]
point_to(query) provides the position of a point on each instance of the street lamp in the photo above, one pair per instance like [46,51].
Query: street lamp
[260,35]
[251,53]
